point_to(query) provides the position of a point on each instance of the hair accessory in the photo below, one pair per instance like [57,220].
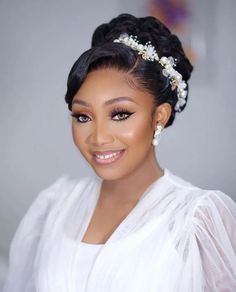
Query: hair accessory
[157,135]
[149,53]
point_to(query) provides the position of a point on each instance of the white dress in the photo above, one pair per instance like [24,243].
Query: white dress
[85,261]
[178,237]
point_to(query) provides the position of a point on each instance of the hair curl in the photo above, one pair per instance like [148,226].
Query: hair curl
[104,53]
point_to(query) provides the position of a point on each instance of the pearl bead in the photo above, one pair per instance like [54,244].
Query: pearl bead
[171,60]
[165,73]
[164,60]
[154,142]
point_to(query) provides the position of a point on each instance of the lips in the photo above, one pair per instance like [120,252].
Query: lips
[107,157]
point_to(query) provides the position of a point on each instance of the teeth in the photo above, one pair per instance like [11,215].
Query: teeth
[107,156]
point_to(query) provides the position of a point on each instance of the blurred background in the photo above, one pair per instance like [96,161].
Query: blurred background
[39,42]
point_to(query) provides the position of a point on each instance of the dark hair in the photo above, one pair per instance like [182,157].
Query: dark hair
[104,53]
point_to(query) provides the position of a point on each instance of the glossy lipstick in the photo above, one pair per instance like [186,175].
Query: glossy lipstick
[107,157]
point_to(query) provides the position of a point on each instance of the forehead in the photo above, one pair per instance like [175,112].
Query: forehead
[104,84]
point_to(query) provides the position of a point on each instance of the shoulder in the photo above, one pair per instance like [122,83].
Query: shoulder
[67,182]
[185,186]
[29,230]
[186,193]
[36,215]
[201,210]
[197,195]
[63,186]
[203,229]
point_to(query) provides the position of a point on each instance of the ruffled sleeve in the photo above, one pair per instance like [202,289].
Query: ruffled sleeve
[24,244]
[208,246]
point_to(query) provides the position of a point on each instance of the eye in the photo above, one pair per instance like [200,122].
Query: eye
[120,114]
[81,118]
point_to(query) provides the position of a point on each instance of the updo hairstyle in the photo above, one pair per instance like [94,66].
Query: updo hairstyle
[104,53]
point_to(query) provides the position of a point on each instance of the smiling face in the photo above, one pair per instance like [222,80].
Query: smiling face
[113,124]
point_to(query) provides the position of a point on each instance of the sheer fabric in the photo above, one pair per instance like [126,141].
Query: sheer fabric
[85,259]
[178,237]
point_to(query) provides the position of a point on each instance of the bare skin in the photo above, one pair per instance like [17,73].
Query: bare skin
[125,180]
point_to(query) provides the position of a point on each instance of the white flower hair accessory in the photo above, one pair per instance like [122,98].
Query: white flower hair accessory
[149,53]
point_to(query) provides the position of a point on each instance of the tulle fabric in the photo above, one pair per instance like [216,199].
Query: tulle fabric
[177,238]
[208,245]
[26,240]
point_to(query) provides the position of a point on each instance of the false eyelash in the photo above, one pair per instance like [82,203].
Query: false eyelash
[117,111]
[77,115]
[113,114]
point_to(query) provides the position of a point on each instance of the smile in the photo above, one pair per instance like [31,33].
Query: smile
[108,157]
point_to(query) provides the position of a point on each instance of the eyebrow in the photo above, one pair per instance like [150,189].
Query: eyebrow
[106,103]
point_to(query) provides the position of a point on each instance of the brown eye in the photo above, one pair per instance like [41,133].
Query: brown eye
[81,118]
[120,115]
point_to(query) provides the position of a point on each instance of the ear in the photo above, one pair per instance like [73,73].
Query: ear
[161,115]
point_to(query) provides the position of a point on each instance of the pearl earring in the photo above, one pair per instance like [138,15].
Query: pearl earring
[157,135]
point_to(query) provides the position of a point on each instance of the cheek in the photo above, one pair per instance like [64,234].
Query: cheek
[137,131]
[78,135]
[134,131]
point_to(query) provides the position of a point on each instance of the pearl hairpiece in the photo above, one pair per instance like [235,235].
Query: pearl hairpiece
[149,53]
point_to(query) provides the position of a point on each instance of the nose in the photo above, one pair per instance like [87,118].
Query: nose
[100,135]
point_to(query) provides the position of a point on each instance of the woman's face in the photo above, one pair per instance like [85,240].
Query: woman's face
[112,124]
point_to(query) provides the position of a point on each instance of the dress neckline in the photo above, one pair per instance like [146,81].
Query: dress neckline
[100,180]
[91,245]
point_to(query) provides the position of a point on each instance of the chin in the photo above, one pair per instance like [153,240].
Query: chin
[109,174]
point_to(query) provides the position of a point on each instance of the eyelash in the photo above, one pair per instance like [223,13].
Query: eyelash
[118,111]
[114,113]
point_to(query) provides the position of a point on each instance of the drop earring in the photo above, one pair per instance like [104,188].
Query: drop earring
[157,135]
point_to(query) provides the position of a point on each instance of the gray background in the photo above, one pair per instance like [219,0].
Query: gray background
[39,42]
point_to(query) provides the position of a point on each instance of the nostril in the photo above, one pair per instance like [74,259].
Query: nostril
[98,138]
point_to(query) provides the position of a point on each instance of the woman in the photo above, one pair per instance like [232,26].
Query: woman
[135,226]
